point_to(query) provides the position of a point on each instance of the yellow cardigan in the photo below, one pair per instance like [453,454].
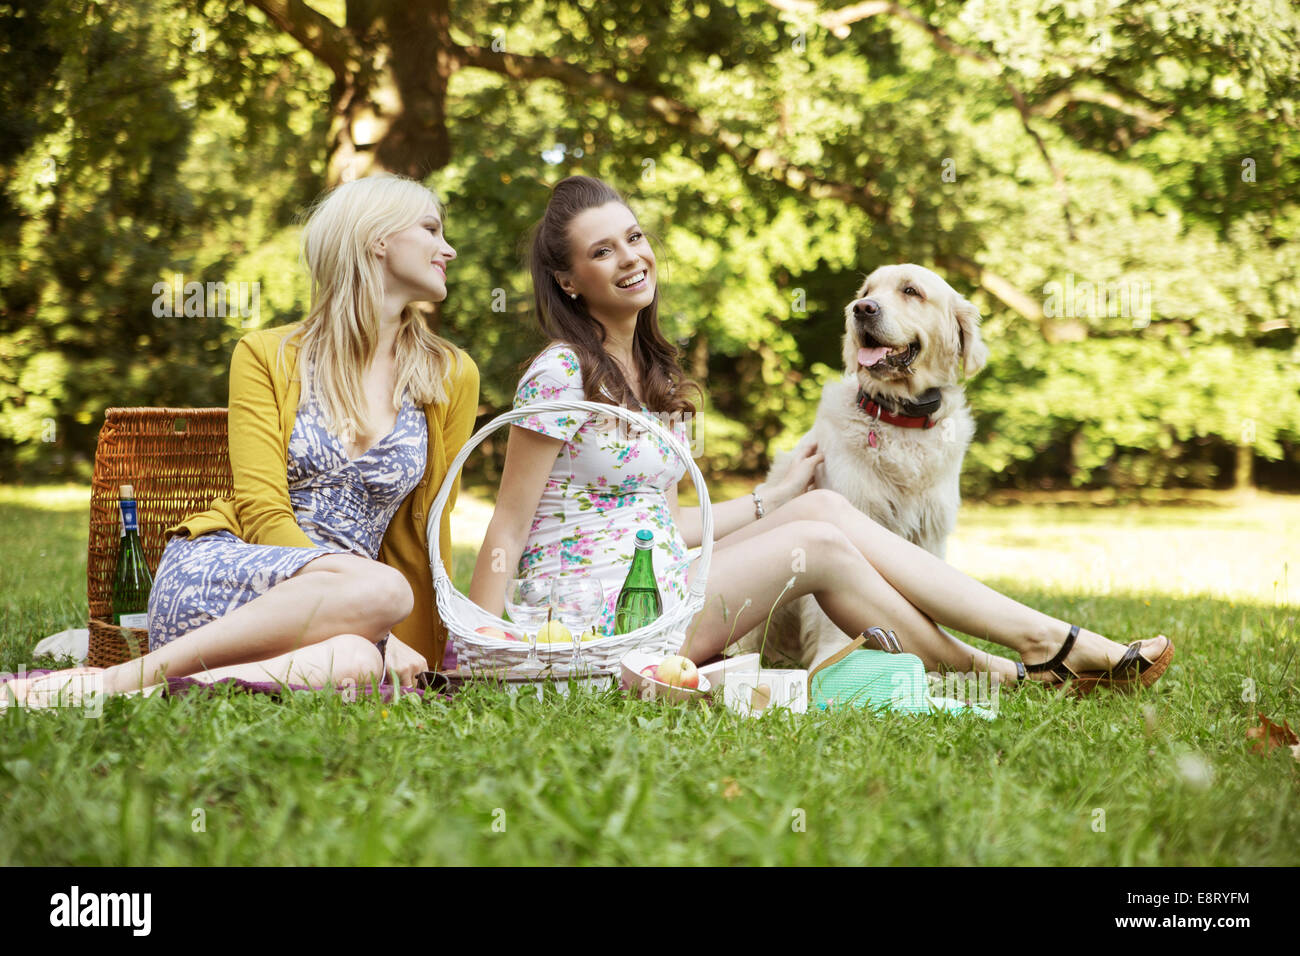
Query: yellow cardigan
[263,408]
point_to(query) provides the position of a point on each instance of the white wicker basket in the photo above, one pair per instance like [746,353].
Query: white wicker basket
[478,652]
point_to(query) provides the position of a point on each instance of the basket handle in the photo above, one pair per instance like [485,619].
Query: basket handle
[595,408]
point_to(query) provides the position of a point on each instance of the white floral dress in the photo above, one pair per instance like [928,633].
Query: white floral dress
[609,481]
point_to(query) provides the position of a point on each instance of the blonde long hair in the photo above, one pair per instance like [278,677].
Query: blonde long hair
[341,332]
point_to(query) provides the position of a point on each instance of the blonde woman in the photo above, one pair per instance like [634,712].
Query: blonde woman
[317,572]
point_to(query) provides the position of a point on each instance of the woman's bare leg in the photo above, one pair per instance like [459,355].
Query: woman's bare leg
[946,595]
[938,649]
[853,594]
[338,661]
[330,595]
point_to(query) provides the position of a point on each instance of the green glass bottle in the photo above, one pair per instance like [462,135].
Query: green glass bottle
[132,581]
[639,603]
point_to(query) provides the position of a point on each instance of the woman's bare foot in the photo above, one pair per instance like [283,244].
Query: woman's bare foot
[66,687]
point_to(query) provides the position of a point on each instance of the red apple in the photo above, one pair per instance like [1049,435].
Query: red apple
[677,671]
[495,632]
[649,671]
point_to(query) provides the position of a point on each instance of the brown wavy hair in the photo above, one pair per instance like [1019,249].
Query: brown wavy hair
[563,319]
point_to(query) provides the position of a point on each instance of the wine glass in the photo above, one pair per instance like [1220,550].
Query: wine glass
[577,600]
[528,601]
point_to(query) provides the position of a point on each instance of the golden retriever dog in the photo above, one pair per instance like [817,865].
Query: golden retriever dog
[893,432]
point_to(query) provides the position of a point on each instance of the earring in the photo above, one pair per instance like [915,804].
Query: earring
[573,295]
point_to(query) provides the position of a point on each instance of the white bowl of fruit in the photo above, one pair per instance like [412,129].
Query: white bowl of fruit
[656,677]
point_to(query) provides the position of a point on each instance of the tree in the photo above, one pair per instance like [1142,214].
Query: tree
[1030,152]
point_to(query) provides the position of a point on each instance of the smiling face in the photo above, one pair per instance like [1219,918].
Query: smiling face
[415,260]
[907,331]
[612,267]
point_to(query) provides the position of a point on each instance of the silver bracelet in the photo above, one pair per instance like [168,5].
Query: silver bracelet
[758,504]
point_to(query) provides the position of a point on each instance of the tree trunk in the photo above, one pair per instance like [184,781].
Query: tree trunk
[700,357]
[1245,474]
[390,109]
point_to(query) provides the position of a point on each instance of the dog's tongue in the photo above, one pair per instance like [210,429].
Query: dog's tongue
[869,357]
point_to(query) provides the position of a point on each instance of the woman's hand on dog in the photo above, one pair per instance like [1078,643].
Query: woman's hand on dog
[800,478]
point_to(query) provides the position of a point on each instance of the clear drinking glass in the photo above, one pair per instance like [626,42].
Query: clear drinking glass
[578,600]
[528,601]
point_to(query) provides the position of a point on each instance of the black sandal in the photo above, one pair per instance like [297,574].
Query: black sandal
[1056,679]
[1131,672]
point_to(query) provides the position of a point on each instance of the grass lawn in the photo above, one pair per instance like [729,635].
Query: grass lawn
[1164,778]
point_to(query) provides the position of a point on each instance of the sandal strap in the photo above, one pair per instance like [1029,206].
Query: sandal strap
[1132,660]
[1061,655]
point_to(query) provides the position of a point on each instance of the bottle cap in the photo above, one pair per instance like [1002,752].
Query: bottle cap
[125,491]
[643,538]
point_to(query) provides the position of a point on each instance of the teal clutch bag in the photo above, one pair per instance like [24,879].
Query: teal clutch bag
[880,681]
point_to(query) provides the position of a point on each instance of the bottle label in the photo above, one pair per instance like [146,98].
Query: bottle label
[134,620]
[129,520]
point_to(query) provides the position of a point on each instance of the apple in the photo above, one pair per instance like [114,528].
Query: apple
[496,632]
[589,635]
[553,632]
[677,671]
[649,671]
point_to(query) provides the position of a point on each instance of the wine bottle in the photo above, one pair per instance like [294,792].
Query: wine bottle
[638,603]
[132,581]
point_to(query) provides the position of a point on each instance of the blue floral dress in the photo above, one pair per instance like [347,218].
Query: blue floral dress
[343,504]
[609,481]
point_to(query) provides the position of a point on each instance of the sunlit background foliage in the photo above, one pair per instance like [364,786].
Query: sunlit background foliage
[1032,152]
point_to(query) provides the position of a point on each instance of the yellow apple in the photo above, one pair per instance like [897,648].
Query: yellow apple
[676,671]
[553,632]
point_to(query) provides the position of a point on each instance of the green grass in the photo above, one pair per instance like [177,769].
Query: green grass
[603,779]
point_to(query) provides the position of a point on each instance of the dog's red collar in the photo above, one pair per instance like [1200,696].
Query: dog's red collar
[928,404]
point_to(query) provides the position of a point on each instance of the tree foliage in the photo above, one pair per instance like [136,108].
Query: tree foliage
[1114,184]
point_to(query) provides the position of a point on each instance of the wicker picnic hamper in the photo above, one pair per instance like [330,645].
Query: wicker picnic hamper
[478,652]
[177,460]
